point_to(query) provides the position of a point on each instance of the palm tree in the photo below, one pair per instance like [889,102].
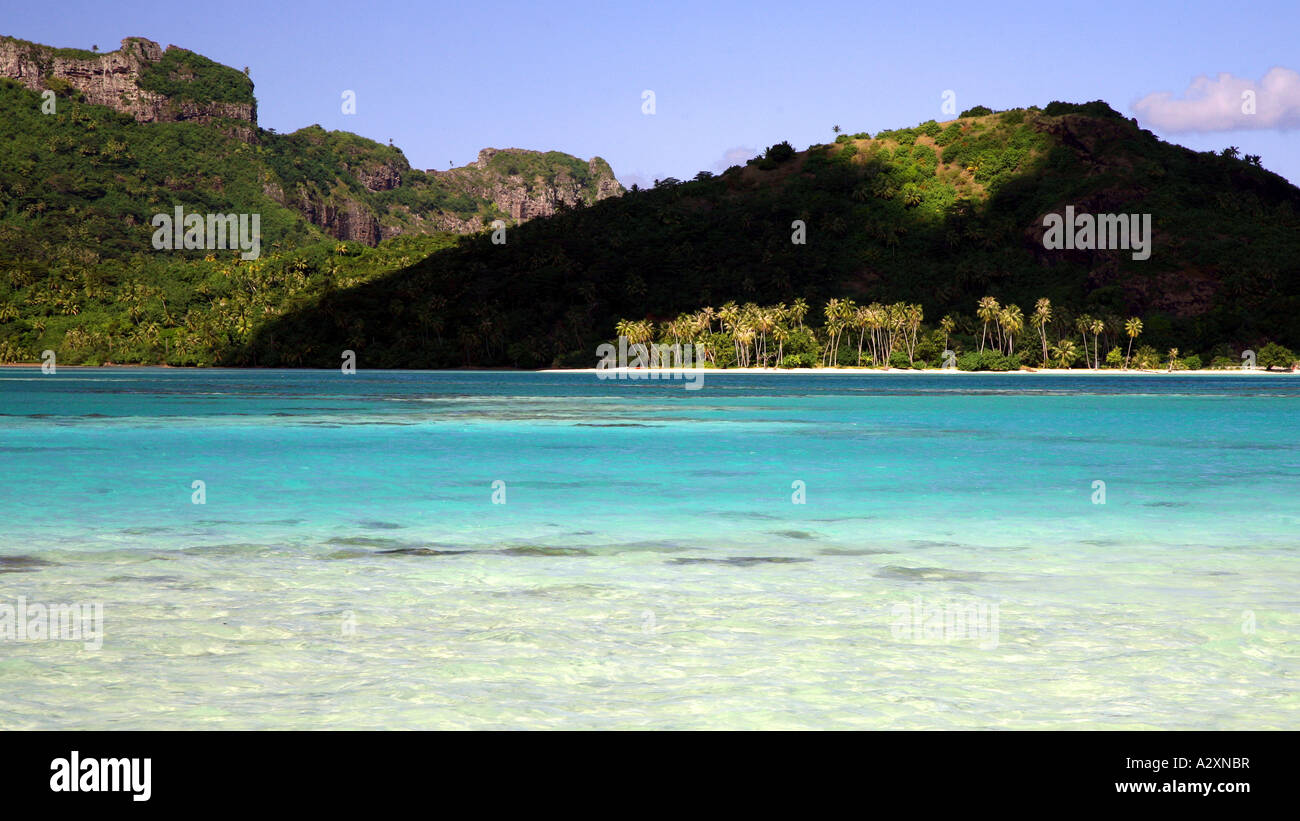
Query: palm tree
[706,318]
[1133,328]
[946,325]
[1083,325]
[987,310]
[912,318]
[891,322]
[1097,327]
[1173,354]
[833,326]
[839,314]
[861,320]
[702,352]
[727,316]
[744,337]
[877,319]
[1042,316]
[1013,320]
[780,334]
[848,309]
[764,322]
[676,329]
[799,310]
[1065,353]
[635,332]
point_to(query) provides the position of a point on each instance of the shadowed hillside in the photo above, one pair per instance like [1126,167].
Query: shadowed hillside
[941,214]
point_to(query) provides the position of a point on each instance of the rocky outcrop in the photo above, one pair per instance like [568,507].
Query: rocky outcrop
[344,218]
[113,79]
[376,176]
[348,220]
[606,185]
[526,196]
[352,192]
[511,182]
[413,223]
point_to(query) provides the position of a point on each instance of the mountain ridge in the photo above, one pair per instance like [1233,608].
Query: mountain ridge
[363,252]
[153,85]
[141,79]
[941,214]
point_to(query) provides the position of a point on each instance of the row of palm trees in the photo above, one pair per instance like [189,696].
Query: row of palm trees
[887,328]
[1009,320]
[757,334]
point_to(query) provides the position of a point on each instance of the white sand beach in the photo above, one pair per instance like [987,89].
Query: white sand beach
[888,371]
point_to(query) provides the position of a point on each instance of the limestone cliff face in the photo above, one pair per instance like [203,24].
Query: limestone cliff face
[347,220]
[431,222]
[114,79]
[528,184]
[376,176]
[350,187]
[511,183]
[344,218]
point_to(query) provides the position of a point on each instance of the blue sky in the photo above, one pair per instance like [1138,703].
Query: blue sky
[443,80]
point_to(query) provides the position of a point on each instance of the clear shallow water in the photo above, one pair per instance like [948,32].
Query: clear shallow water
[649,567]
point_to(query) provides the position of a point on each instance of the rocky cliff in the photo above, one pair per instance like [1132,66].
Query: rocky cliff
[350,187]
[141,79]
[528,184]
[512,184]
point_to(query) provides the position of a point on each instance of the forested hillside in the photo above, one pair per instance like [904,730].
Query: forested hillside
[140,131]
[941,215]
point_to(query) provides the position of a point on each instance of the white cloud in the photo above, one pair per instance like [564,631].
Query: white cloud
[1220,104]
[631,178]
[732,156]
[735,156]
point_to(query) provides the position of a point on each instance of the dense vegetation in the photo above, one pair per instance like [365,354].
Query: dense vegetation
[939,214]
[155,308]
[184,75]
[79,186]
[549,168]
[78,189]
[43,56]
[1001,338]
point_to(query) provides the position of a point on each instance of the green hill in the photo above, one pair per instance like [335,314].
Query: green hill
[140,131]
[360,251]
[942,215]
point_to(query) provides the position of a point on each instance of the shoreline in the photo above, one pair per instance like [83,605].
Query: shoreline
[710,371]
[895,371]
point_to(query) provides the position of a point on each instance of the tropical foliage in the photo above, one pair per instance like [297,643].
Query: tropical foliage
[78,189]
[878,335]
[941,214]
[159,310]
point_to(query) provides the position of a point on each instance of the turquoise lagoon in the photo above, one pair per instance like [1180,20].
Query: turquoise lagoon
[772,551]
